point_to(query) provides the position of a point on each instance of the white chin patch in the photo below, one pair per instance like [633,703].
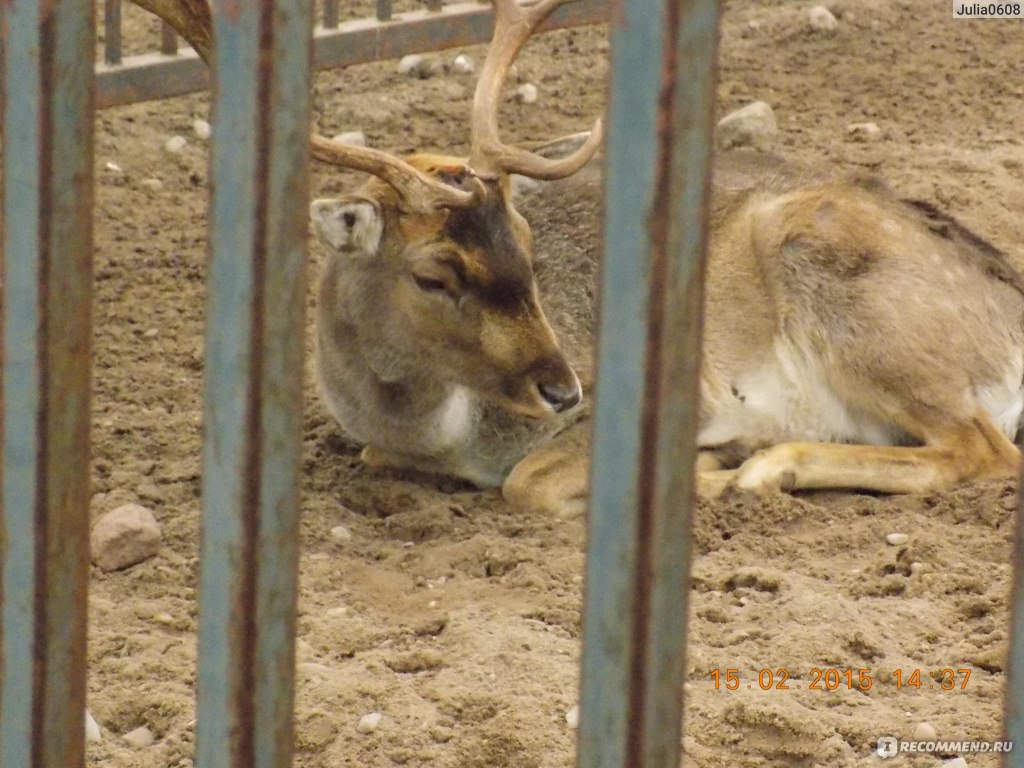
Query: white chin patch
[453,419]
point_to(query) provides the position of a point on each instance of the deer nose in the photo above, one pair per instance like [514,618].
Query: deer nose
[561,397]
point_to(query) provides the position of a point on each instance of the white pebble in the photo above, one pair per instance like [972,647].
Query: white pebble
[463,64]
[151,333]
[415,65]
[956,762]
[140,738]
[340,533]
[175,145]
[753,25]
[925,732]
[201,128]
[864,131]
[153,185]
[897,539]
[93,733]
[572,717]
[916,567]
[821,18]
[114,168]
[353,138]
[368,723]
[527,93]
[753,125]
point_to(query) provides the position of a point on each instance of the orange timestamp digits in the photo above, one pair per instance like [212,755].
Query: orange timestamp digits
[832,679]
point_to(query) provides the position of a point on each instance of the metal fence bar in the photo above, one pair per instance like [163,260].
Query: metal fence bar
[168,39]
[330,13]
[112,31]
[152,76]
[253,391]
[384,10]
[659,153]
[46,336]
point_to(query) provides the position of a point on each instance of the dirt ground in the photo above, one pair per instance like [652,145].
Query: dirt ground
[457,618]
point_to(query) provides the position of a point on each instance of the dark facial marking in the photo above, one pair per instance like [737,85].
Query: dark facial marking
[486,229]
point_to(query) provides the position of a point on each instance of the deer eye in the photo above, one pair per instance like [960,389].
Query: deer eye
[430,284]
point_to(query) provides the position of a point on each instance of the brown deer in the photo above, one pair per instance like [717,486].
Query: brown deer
[852,339]
[431,345]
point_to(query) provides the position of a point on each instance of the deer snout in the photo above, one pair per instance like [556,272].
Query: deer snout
[560,396]
[558,385]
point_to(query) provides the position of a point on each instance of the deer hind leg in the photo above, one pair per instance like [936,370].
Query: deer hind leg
[968,451]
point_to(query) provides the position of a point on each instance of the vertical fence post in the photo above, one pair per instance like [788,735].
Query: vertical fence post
[112,31]
[253,387]
[659,151]
[47,98]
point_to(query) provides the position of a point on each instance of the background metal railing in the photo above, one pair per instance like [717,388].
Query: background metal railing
[126,79]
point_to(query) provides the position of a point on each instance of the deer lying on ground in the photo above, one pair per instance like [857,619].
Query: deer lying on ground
[851,339]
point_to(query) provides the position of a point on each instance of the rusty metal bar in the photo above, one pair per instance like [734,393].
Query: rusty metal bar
[659,152]
[47,97]
[151,76]
[435,5]
[383,10]
[330,13]
[112,31]
[168,39]
[253,385]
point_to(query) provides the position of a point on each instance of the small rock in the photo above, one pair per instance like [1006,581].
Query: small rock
[415,65]
[202,129]
[408,63]
[463,64]
[368,723]
[925,732]
[124,536]
[897,539]
[354,138]
[956,762]
[821,18]
[753,25]
[175,145]
[153,185]
[864,131]
[114,168]
[753,125]
[341,533]
[140,738]
[93,734]
[916,567]
[572,717]
[527,93]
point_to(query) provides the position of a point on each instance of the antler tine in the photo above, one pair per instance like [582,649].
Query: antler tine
[190,18]
[419,191]
[513,25]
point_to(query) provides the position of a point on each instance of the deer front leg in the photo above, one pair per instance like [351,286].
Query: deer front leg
[553,479]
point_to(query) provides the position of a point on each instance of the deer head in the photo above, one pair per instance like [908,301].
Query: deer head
[431,251]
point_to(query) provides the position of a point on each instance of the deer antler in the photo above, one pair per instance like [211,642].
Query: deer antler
[513,25]
[419,191]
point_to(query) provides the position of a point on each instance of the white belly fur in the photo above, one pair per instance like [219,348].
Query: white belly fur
[789,399]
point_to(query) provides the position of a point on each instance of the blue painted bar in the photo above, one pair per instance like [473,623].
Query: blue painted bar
[253,387]
[46,82]
[638,559]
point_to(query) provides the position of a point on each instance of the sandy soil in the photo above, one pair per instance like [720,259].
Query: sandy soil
[457,618]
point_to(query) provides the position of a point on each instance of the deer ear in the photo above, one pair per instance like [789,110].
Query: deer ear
[350,224]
